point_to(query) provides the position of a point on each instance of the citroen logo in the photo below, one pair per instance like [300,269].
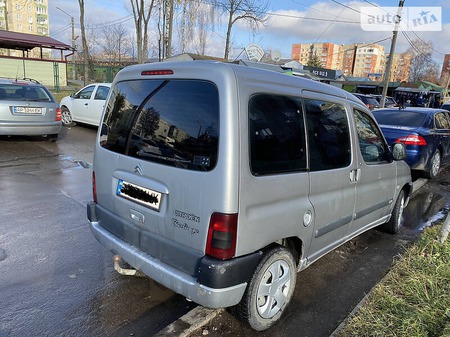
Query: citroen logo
[138,169]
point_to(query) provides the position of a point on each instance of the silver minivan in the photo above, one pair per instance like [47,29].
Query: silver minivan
[222,181]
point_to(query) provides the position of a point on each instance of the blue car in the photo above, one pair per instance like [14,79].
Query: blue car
[424,131]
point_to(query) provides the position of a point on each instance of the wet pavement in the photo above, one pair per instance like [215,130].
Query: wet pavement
[56,279]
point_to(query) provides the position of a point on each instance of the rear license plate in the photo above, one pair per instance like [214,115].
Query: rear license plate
[27,110]
[139,195]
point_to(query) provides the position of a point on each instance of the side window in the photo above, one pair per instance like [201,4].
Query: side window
[85,93]
[277,134]
[328,135]
[102,92]
[371,143]
[441,121]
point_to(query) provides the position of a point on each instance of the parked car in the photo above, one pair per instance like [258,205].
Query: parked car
[248,176]
[424,131]
[389,101]
[27,108]
[446,106]
[86,105]
[369,101]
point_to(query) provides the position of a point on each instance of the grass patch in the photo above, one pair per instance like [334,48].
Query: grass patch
[413,300]
[61,94]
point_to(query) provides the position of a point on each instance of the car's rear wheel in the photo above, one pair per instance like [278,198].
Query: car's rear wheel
[269,291]
[434,166]
[66,117]
[393,225]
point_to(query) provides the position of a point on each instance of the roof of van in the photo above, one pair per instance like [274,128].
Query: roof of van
[244,71]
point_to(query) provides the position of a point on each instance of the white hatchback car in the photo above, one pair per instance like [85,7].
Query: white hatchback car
[86,105]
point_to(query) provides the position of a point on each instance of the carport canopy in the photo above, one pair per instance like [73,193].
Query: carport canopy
[26,42]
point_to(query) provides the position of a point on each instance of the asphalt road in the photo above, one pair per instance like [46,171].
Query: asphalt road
[56,280]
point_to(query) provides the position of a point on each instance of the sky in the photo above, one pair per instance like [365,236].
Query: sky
[288,22]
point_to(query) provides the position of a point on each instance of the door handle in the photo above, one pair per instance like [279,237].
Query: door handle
[355,175]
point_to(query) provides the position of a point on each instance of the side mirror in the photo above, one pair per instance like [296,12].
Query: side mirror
[399,151]
[72,95]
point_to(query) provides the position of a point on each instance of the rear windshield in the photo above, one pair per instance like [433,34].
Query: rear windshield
[399,118]
[171,122]
[17,92]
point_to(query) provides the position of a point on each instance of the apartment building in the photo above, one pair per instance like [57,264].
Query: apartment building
[24,16]
[364,60]
[400,68]
[330,54]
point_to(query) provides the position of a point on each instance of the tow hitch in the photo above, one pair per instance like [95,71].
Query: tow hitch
[126,271]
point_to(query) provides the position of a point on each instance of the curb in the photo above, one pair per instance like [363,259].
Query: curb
[190,322]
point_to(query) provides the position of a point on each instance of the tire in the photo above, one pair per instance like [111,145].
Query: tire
[434,166]
[269,291]
[393,225]
[66,117]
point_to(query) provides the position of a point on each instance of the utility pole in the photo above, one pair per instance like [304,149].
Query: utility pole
[387,73]
[73,39]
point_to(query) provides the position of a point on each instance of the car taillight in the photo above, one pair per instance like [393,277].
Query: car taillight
[222,232]
[58,115]
[412,140]
[94,187]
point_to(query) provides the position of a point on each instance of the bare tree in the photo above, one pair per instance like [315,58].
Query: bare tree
[113,41]
[195,17]
[142,11]
[251,11]
[84,42]
[423,67]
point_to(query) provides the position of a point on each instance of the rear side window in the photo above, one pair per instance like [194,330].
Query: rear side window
[173,122]
[328,135]
[277,134]
[441,121]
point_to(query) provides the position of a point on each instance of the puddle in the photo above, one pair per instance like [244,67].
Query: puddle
[424,209]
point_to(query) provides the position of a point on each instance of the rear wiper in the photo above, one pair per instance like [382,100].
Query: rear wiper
[144,154]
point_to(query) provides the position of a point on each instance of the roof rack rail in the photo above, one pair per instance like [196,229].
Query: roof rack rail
[31,79]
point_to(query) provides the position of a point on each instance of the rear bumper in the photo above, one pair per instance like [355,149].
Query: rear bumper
[218,283]
[31,129]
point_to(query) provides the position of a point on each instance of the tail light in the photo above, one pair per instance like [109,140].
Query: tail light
[94,187]
[58,115]
[412,140]
[222,232]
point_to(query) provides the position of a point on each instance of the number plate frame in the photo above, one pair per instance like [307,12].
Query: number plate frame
[140,195]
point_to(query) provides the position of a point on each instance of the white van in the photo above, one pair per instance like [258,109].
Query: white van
[222,181]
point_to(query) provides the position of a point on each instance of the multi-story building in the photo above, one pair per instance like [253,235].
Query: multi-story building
[364,60]
[400,68]
[25,16]
[445,73]
[330,54]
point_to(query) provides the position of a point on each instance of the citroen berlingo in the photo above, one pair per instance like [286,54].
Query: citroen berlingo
[222,181]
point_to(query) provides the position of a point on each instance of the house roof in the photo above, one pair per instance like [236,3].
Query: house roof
[21,41]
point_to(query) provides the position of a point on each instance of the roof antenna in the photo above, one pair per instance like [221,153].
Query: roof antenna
[17,73]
